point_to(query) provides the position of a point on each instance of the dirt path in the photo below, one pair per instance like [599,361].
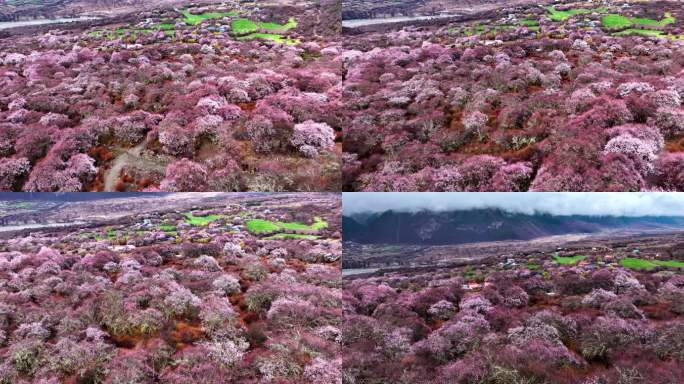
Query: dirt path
[129,156]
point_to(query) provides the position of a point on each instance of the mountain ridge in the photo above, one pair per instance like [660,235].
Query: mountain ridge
[486,224]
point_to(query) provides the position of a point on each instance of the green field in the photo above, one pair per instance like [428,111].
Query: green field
[244,26]
[665,21]
[639,264]
[266,226]
[285,236]
[557,15]
[112,235]
[270,36]
[200,221]
[261,226]
[196,19]
[165,26]
[275,27]
[529,22]
[644,32]
[121,32]
[481,29]
[569,260]
[615,21]
[648,32]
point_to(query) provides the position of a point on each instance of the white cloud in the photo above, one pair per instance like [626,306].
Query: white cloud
[558,203]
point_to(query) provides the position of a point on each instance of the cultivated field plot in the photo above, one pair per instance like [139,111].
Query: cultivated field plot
[205,98]
[565,97]
[183,293]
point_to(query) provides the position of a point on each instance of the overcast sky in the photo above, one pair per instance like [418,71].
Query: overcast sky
[598,204]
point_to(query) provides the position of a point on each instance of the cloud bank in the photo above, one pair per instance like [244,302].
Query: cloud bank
[556,203]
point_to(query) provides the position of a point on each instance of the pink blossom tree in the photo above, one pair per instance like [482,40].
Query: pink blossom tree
[11,171]
[310,137]
[185,175]
[669,171]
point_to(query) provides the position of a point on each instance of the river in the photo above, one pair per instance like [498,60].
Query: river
[362,22]
[358,271]
[25,23]
[10,228]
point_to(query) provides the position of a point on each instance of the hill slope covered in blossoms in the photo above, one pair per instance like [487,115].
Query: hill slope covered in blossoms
[210,98]
[572,97]
[234,289]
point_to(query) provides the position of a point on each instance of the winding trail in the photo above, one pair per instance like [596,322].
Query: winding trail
[129,156]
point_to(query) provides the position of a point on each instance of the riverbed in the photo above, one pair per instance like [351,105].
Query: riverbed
[27,23]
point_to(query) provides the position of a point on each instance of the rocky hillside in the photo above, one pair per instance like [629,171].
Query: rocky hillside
[15,10]
[361,9]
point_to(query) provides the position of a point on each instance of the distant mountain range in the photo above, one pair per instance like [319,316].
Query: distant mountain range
[478,225]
